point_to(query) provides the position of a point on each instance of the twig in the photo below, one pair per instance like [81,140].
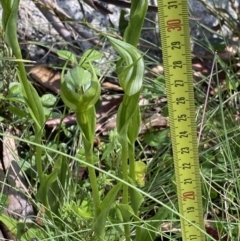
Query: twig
[55,15]
[206,99]
[126,4]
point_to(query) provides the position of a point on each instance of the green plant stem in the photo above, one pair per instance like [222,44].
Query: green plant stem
[93,181]
[125,170]
[124,144]
[131,152]
[38,131]
[39,158]
[87,123]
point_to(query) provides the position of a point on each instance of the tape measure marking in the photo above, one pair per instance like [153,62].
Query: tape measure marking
[174,29]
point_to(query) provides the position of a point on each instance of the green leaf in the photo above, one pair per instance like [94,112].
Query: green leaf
[157,139]
[63,169]
[83,211]
[134,126]
[15,93]
[89,56]
[140,172]
[17,111]
[45,184]
[231,83]
[14,89]
[136,198]
[123,23]
[87,124]
[126,111]
[90,97]
[28,231]
[165,111]
[67,55]
[218,44]
[137,17]
[35,106]
[10,223]
[9,21]
[17,99]
[48,100]
[126,212]
[130,68]
[81,156]
[68,95]
[79,77]
[150,229]
[59,188]
[105,206]
[4,200]
[109,149]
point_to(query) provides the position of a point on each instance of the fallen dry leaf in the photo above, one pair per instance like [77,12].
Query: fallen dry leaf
[13,184]
[47,77]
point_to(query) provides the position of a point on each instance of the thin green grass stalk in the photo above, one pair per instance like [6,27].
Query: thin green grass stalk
[228,148]
[228,155]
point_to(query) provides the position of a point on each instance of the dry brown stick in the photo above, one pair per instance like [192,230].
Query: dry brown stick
[46,8]
[16,187]
[98,7]
[13,185]
[125,4]
[55,15]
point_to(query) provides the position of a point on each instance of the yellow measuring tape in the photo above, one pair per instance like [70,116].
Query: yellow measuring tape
[174,30]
